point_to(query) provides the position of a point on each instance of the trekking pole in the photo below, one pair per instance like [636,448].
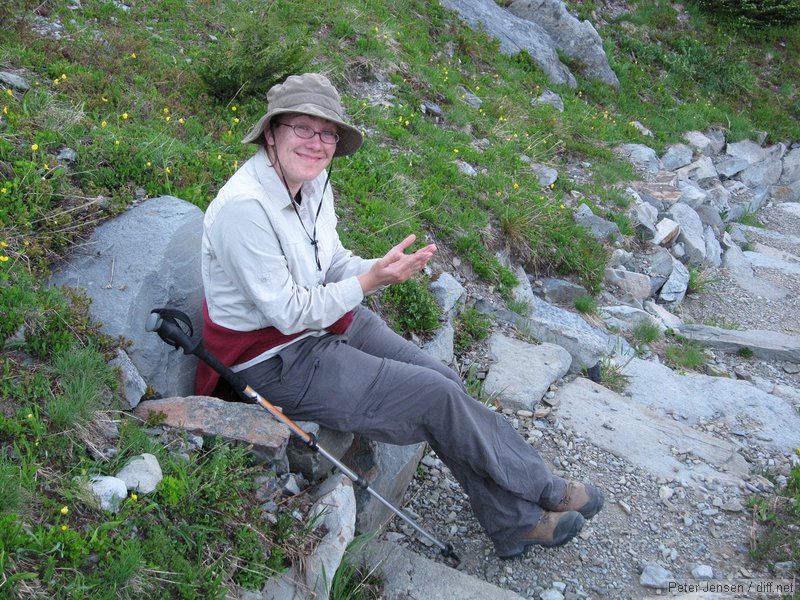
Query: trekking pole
[164,322]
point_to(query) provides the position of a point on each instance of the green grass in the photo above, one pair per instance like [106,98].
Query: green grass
[157,98]
[586,305]
[646,332]
[685,355]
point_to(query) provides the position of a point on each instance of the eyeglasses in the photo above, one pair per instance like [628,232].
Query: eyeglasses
[305,132]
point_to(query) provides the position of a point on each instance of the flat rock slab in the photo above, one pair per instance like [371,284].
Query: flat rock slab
[763,418]
[551,324]
[768,345]
[627,429]
[522,372]
[741,269]
[409,576]
[233,421]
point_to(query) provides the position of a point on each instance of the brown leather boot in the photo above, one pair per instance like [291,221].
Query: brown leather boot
[552,529]
[582,497]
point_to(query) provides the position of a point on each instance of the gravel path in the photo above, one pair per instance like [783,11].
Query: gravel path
[645,519]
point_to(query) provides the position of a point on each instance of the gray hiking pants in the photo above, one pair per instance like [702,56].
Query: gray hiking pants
[373,382]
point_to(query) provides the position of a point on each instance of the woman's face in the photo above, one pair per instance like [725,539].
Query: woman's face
[297,159]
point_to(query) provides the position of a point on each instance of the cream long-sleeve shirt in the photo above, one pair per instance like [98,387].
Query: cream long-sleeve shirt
[258,264]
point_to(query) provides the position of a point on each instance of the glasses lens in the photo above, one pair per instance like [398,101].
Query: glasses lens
[329,137]
[303,131]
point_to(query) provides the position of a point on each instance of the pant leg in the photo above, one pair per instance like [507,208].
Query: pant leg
[336,381]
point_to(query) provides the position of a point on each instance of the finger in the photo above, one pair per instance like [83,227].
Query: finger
[405,243]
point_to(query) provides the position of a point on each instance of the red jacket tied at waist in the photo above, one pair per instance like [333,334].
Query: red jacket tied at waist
[232,347]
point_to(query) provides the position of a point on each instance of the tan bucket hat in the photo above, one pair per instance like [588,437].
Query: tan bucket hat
[308,94]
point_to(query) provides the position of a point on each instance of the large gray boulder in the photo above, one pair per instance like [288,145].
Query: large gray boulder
[147,257]
[514,34]
[578,40]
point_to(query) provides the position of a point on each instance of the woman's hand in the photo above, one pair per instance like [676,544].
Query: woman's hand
[396,266]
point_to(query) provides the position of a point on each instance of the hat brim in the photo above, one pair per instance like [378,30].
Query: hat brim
[350,138]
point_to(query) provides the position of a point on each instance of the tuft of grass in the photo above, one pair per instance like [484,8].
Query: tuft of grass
[700,281]
[85,380]
[611,375]
[685,355]
[751,219]
[351,580]
[646,332]
[586,305]
[472,326]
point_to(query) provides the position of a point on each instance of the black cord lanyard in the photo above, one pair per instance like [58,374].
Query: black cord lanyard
[312,237]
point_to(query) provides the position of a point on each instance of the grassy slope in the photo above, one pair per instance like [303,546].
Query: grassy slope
[156,99]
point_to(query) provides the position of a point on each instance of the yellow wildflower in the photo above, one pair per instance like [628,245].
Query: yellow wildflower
[35,147]
[64,528]
[56,81]
[168,170]
[149,164]
[235,119]
[116,142]
[30,416]
[124,116]
[64,510]
[3,244]
[3,258]
[5,110]
[104,124]
[234,108]
[516,185]
[9,92]
[3,190]
[167,118]
[219,156]
[63,76]
[181,121]
[166,110]
[134,497]
[455,150]
[133,55]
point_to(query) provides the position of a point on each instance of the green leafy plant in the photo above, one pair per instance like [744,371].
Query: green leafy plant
[251,58]
[411,307]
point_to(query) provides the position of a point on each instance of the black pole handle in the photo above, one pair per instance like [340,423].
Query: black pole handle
[165,324]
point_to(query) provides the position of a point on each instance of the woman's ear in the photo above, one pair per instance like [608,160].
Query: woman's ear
[269,138]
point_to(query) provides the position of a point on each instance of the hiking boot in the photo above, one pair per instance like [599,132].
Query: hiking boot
[552,529]
[582,497]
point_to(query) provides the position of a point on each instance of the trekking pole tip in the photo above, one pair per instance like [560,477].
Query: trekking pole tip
[449,552]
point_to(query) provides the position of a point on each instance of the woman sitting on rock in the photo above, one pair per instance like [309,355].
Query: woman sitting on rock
[283,309]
